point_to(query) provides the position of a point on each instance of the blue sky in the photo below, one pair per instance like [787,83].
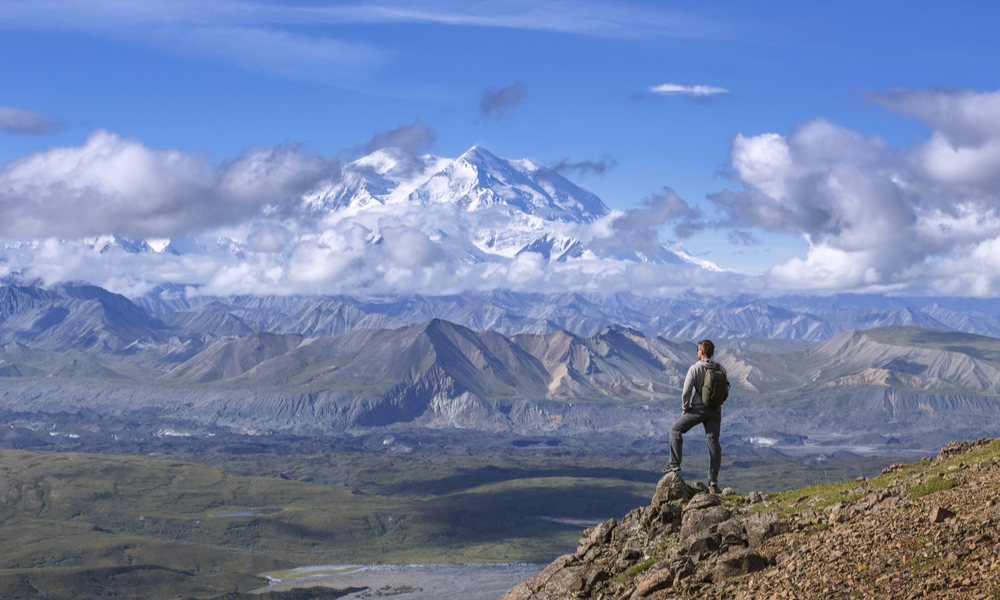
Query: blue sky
[556,81]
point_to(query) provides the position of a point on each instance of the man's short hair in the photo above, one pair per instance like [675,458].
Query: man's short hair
[707,347]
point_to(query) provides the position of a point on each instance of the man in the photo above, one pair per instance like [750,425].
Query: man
[694,412]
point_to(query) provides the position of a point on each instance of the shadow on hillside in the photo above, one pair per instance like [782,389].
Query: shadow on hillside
[495,475]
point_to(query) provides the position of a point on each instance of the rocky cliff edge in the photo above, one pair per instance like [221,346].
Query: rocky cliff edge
[926,530]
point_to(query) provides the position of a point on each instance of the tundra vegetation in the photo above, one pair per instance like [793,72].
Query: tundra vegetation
[95,525]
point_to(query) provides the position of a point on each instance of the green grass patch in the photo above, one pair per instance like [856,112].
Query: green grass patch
[920,563]
[935,484]
[820,496]
[634,570]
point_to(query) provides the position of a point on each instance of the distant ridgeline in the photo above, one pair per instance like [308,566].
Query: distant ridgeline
[77,360]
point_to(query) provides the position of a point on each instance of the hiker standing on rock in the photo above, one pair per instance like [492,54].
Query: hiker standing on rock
[705,389]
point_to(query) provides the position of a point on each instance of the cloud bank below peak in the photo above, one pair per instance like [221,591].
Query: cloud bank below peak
[922,218]
[116,213]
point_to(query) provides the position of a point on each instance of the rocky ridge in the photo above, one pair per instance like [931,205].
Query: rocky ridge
[927,530]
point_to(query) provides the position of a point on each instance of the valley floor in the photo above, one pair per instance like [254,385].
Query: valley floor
[423,582]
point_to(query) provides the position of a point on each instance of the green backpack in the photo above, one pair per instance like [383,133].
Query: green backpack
[715,387]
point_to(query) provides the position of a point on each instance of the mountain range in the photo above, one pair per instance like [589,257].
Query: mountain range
[78,359]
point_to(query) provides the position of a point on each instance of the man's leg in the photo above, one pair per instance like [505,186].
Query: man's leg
[681,426]
[713,427]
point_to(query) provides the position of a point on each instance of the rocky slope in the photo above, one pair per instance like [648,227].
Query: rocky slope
[927,530]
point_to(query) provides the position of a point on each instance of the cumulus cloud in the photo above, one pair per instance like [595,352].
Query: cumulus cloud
[382,250]
[111,184]
[245,227]
[878,218]
[268,237]
[965,117]
[497,103]
[637,230]
[20,121]
[657,210]
[697,91]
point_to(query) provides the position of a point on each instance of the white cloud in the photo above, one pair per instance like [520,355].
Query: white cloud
[965,117]
[700,91]
[244,227]
[111,184]
[876,218]
[367,253]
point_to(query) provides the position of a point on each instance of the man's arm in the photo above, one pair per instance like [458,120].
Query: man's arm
[688,391]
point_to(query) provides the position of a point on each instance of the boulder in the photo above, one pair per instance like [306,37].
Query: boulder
[736,563]
[595,537]
[762,526]
[702,545]
[732,533]
[939,514]
[841,513]
[700,501]
[653,581]
[671,488]
[550,583]
[808,516]
[697,521]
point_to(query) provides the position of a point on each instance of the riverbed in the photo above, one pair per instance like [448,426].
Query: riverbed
[428,582]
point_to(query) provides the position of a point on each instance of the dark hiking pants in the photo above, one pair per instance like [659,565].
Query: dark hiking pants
[712,421]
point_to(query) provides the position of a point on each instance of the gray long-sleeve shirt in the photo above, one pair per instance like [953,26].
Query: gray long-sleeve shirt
[691,394]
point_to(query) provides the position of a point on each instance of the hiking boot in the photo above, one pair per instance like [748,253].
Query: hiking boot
[670,469]
[715,489]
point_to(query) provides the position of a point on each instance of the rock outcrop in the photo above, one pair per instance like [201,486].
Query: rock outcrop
[927,530]
[683,536]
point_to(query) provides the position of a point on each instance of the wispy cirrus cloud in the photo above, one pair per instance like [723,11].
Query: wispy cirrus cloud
[591,18]
[269,37]
[697,91]
[596,18]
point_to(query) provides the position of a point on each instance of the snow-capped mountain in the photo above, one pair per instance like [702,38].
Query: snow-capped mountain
[475,181]
[511,206]
[389,222]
